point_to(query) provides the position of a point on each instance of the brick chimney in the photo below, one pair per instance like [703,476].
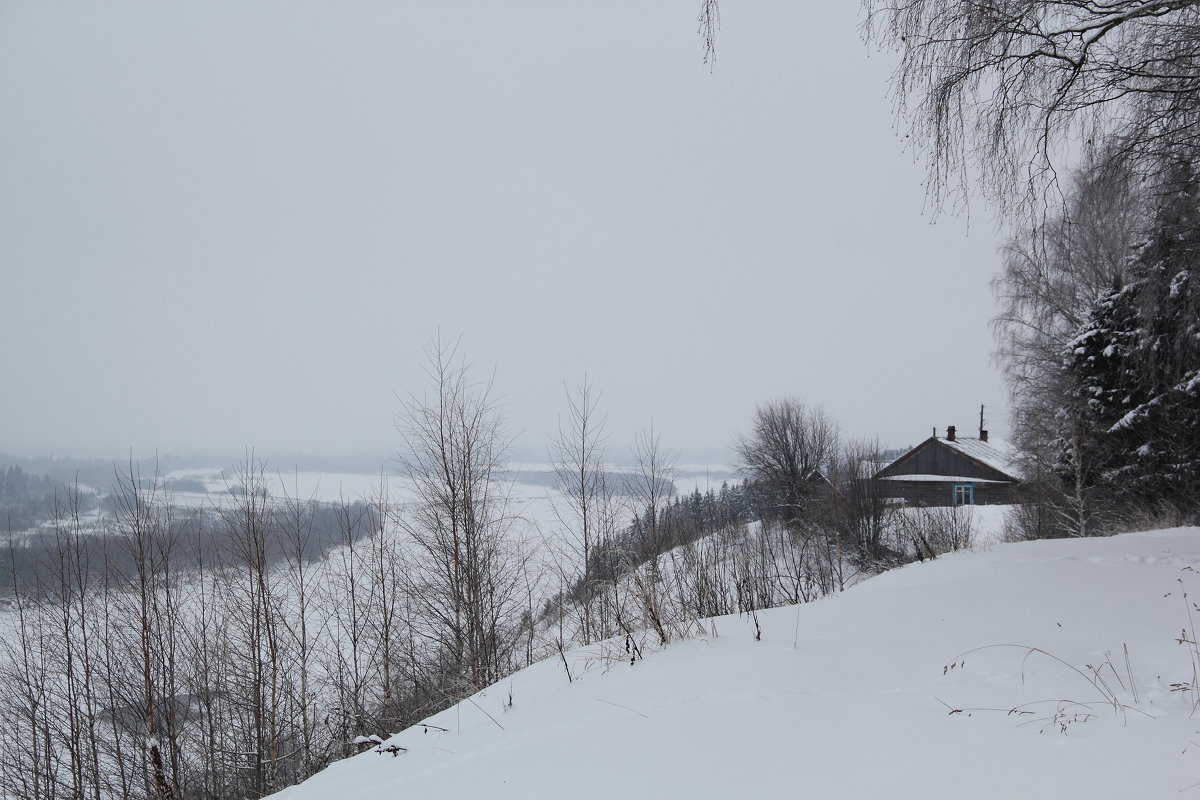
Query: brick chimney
[982,435]
[950,434]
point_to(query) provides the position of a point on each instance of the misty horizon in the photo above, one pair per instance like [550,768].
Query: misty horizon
[230,227]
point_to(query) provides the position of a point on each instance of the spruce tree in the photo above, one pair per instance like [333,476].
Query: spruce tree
[1135,365]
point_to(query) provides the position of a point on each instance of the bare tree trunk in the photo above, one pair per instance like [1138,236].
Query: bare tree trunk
[467,573]
[578,455]
[653,487]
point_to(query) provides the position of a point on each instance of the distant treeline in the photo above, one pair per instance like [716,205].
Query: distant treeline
[98,473]
[619,484]
[197,536]
[28,498]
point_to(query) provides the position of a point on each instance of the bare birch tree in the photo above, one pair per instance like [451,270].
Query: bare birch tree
[651,488]
[587,515]
[256,632]
[1052,275]
[146,531]
[466,571]
[1006,87]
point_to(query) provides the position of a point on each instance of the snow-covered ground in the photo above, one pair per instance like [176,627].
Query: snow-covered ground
[988,524]
[862,695]
[983,526]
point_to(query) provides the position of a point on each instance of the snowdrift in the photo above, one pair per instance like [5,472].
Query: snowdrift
[1082,688]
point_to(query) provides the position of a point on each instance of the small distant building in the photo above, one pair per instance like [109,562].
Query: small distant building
[951,471]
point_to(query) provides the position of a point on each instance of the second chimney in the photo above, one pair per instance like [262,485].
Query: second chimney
[950,434]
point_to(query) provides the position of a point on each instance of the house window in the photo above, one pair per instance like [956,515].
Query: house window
[964,494]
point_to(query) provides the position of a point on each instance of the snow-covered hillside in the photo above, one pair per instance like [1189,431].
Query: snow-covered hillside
[866,694]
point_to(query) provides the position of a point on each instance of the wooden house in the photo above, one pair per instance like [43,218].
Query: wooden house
[951,471]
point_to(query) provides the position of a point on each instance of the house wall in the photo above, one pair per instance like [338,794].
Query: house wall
[927,493]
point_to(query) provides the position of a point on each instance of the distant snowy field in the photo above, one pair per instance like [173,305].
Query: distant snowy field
[855,696]
[530,487]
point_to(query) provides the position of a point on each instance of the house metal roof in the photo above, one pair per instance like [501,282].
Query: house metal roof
[992,454]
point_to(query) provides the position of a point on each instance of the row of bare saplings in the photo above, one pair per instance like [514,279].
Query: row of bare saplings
[162,653]
[170,652]
[714,554]
[167,652]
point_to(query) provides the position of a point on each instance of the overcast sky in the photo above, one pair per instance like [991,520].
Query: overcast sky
[228,224]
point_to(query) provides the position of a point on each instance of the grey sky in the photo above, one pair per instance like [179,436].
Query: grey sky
[228,224]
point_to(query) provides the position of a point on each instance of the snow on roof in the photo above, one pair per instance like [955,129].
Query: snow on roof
[938,479]
[996,455]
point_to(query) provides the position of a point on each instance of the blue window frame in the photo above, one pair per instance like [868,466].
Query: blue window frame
[964,494]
